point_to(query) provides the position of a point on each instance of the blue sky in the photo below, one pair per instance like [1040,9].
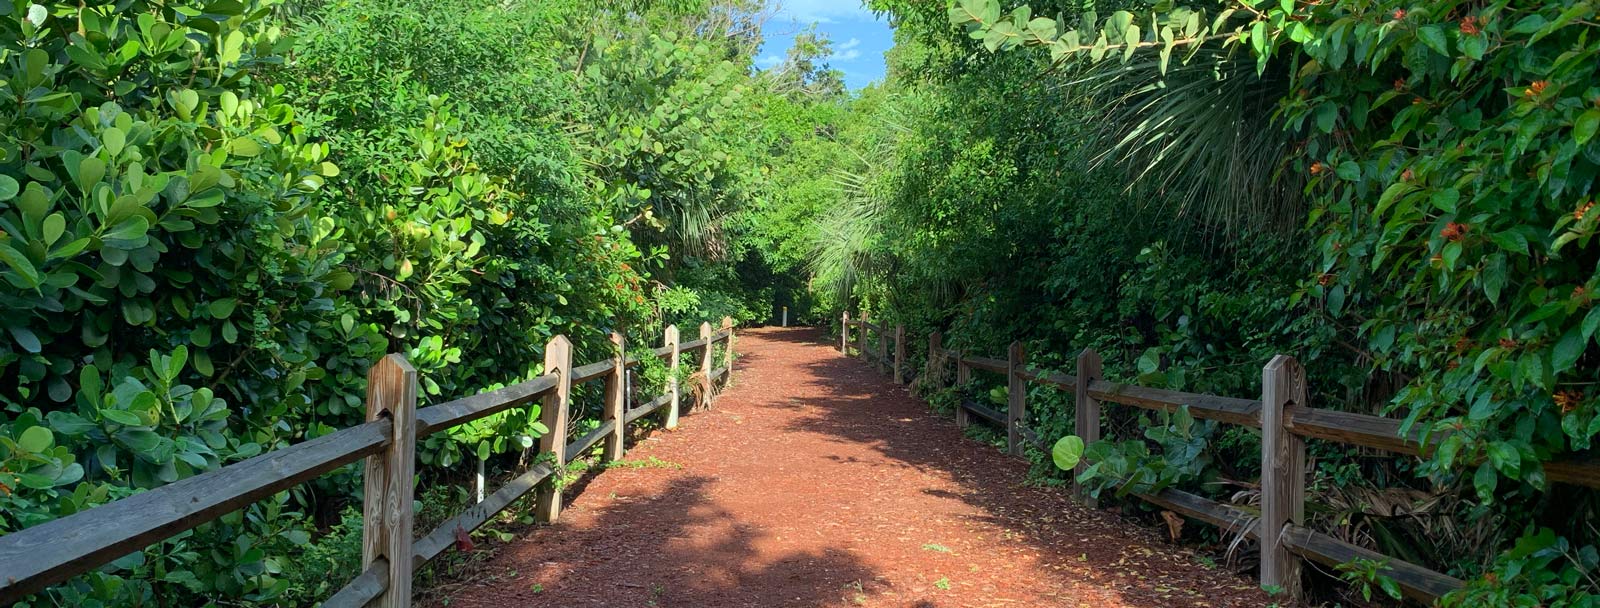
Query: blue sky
[859,37]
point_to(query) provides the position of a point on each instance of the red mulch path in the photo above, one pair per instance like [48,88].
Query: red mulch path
[814,481]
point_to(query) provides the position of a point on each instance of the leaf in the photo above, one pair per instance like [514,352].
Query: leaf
[36,439]
[20,264]
[1485,481]
[1506,459]
[1349,171]
[1434,37]
[483,450]
[1067,452]
[26,339]
[1568,350]
[114,140]
[8,188]
[222,309]
[122,417]
[1583,129]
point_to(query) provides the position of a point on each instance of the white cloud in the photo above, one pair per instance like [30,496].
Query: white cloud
[769,62]
[823,11]
[852,43]
[849,55]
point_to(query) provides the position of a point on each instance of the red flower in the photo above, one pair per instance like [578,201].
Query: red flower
[1399,14]
[1469,25]
[1454,232]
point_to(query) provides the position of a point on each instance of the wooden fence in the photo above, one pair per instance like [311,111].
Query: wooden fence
[51,553]
[877,354]
[1285,419]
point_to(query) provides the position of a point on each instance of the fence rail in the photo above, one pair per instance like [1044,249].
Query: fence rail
[1281,412]
[886,361]
[35,558]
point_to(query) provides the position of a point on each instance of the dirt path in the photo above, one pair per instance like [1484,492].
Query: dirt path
[816,482]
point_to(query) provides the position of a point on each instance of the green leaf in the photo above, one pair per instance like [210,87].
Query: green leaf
[26,339]
[1349,171]
[1582,130]
[1434,37]
[1506,459]
[1568,350]
[36,439]
[483,450]
[122,417]
[1067,452]
[1485,481]
[114,140]
[20,264]
[8,188]
[223,308]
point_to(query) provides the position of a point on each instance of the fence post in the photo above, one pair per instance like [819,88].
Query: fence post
[1086,423]
[672,377]
[861,340]
[727,351]
[899,354]
[553,415]
[935,346]
[844,334]
[1283,472]
[883,351]
[963,375]
[785,316]
[386,510]
[617,398]
[705,365]
[1016,398]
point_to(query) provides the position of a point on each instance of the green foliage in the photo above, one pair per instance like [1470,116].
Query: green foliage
[1367,574]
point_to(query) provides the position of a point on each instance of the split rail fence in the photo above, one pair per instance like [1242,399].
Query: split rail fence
[1282,414]
[35,558]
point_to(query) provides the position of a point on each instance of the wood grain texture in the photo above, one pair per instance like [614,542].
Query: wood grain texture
[647,408]
[1016,398]
[1283,472]
[386,508]
[442,537]
[616,404]
[578,447]
[727,349]
[672,339]
[437,418]
[705,364]
[1243,412]
[1231,519]
[52,552]
[844,333]
[593,371]
[553,414]
[362,589]
[987,364]
[1416,582]
[1086,411]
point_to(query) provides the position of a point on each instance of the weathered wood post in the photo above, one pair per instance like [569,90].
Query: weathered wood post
[705,365]
[785,317]
[899,353]
[1283,472]
[672,377]
[1086,423]
[727,351]
[553,415]
[386,510]
[844,333]
[1016,398]
[963,375]
[617,398]
[861,340]
[934,374]
[883,351]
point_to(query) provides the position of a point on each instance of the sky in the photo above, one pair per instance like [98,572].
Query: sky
[859,37]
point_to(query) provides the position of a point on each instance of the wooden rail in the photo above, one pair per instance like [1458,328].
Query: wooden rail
[35,558]
[1286,421]
[887,362]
